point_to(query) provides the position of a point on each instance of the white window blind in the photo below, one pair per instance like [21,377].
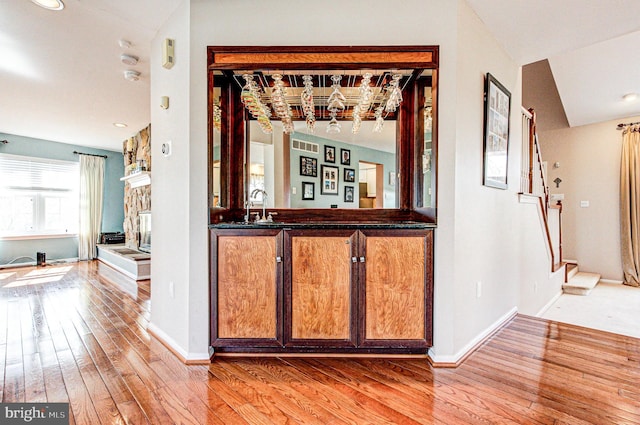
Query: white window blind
[38,196]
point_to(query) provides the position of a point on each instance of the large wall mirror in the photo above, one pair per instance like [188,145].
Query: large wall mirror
[303,131]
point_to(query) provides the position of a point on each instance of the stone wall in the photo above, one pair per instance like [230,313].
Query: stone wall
[134,149]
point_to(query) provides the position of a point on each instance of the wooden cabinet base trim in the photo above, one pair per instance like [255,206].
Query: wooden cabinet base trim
[328,355]
[318,350]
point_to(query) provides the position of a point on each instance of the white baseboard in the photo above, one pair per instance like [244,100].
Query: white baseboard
[613,281]
[172,345]
[33,263]
[455,359]
[548,305]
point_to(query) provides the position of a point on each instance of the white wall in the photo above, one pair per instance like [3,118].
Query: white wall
[489,224]
[589,158]
[479,233]
[171,183]
[413,22]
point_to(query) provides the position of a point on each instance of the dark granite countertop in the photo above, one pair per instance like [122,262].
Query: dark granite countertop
[324,225]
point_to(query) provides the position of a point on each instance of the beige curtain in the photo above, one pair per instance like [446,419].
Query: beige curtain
[91,189]
[630,205]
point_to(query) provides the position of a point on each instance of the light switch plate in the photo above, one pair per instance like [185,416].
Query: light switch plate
[584,204]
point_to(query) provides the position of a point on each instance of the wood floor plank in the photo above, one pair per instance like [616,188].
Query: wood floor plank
[349,404]
[79,398]
[365,391]
[293,408]
[67,334]
[150,405]
[417,404]
[226,389]
[312,403]
[495,402]
[52,375]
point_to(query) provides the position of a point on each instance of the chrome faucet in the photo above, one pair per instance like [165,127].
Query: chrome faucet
[248,204]
[264,205]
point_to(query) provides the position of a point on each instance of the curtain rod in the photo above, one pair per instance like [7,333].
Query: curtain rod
[90,154]
[621,126]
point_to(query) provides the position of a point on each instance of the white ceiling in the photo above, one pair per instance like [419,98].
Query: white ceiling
[61,77]
[591,45]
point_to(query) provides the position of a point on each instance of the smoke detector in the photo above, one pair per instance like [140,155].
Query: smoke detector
[131,75]
[129,59]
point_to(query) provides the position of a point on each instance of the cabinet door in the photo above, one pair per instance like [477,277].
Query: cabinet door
[320,295]
[396,284]
[246,293]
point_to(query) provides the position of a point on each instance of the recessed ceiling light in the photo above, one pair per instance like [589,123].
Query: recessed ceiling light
[50,4]
[630,97]
[119,124]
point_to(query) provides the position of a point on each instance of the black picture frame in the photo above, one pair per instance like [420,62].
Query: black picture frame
[308,191]
[345,156]
[349,193]
[308,166]
[329,180]
[349,175]
[497,109]
[329,153]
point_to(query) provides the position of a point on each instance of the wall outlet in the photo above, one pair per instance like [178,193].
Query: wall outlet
[478,289]
[172,291]
[294,190]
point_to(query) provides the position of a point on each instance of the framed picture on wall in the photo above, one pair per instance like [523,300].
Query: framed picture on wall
[329,182]
[308,191]
[308,166]
[345,157]
[329,153]
[348,193]
[349,175]
[497,106]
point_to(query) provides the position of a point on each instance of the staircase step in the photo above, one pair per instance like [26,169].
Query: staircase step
[572,270]
[581,283]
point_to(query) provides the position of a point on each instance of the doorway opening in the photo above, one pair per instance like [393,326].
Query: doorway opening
[371,184]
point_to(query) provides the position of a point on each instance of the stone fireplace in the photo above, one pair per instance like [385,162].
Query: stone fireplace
[137,153]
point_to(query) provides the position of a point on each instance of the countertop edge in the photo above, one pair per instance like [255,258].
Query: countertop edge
[324,225]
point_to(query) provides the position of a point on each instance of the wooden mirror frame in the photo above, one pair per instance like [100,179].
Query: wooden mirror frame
[224,60]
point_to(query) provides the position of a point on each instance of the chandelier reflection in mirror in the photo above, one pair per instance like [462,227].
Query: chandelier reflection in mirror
[329,95]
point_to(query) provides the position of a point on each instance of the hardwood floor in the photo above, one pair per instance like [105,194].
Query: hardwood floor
[69,335]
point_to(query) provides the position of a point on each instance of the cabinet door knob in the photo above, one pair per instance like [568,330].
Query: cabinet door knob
[278,259]
[362,259]
[354,260]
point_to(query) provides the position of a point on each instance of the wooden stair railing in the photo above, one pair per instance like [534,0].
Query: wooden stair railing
[534,183]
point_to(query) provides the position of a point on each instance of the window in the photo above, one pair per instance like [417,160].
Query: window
[38,196]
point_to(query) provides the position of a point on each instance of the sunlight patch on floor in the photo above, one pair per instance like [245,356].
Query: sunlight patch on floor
[36,277]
